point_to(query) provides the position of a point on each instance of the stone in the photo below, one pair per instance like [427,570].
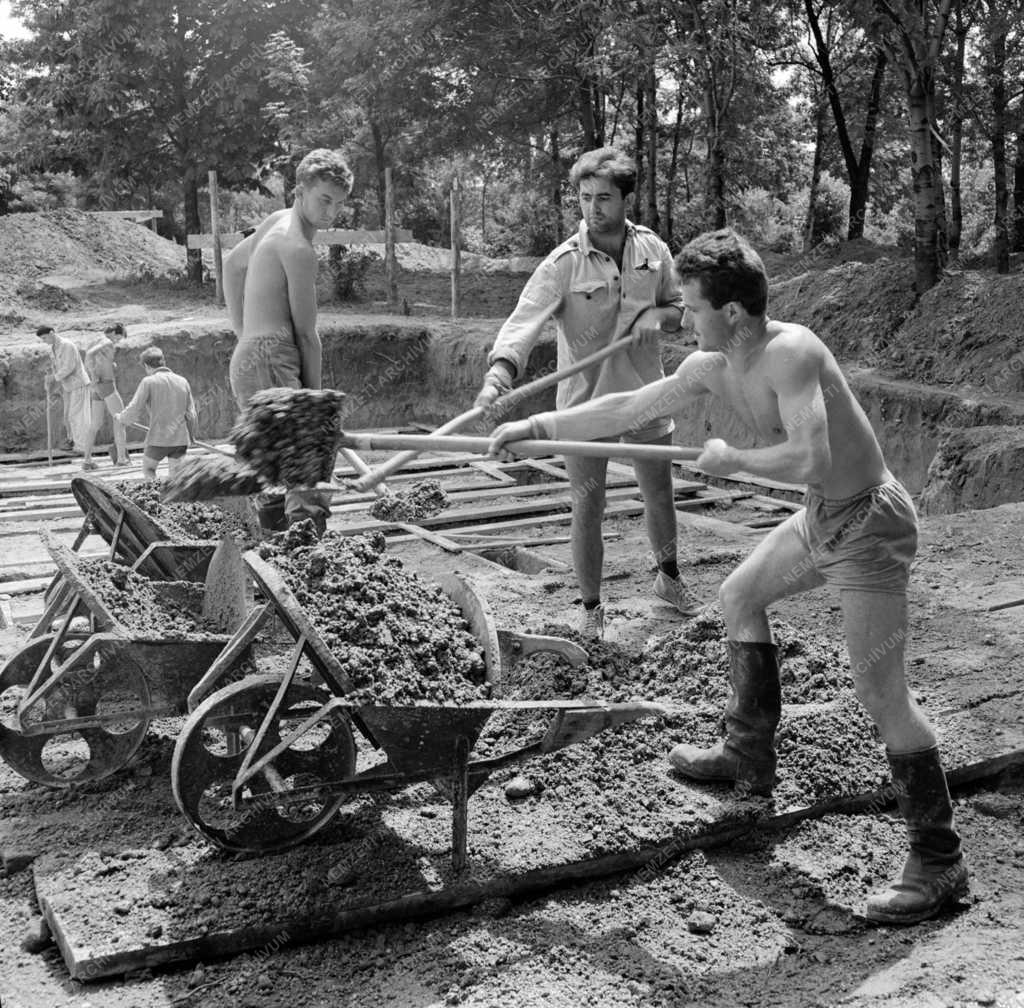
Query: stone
[519,787]
[700,922]
[37,936]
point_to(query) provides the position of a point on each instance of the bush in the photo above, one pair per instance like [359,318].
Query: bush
[767,221]
[349,268]
[831,209]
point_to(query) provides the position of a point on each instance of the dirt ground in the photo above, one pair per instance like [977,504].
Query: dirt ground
[767,920]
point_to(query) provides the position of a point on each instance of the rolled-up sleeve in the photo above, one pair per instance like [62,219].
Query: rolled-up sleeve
[540,299]
[670,287]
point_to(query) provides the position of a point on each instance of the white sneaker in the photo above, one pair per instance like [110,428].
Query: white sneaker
[676,594]
[591,623]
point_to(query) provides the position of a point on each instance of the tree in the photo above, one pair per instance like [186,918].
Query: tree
[826,43]
[912,32]
[165,91]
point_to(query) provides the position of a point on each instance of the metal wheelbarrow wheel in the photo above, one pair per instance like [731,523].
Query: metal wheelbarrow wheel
[64,753]
[214,744]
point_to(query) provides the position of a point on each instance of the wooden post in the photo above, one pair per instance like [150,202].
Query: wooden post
[390,262]
[218,263]
[456,249]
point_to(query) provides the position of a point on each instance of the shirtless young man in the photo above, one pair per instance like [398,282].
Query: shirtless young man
[99,362]
[858,533]
[270,290]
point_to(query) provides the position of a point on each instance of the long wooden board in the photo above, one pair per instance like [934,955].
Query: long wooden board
[327,920]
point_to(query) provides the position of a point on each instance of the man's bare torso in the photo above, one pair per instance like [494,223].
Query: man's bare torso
[856,459]
[266,304]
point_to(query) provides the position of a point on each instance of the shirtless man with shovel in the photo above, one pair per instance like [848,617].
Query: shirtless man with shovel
[270,290]
[858,534]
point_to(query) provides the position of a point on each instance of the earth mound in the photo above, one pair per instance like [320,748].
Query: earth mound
[48,254]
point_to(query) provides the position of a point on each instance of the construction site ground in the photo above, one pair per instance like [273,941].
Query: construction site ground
[768,919]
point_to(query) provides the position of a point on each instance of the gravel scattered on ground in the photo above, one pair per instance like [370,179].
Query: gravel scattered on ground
[422,500]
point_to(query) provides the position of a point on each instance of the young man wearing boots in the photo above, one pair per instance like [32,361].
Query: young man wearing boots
[857,533]
[612,280]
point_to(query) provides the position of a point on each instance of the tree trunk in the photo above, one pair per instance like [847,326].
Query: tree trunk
[859,181]
[1018,191]
[715,185]
[956,137]
[673,168]
[926,190]
[380,163]
[811,233]
[997,85]
[556,186]
[639,147]
[588,117]
[651,129]
[194,257]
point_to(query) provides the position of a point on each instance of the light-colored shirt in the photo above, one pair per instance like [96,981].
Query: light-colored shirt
[67,365]
[596,304]
[167,397]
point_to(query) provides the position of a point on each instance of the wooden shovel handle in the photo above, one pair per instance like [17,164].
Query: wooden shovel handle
[481,445]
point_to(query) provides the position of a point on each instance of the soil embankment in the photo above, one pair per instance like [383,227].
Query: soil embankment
[926,371]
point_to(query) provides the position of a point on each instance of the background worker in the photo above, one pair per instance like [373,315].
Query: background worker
[104,397]
[857,533]
[270,290]
[166,398]
[68,372]
[612,280]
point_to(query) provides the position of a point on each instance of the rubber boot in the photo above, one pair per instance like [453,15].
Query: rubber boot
[934,873]
[746,755]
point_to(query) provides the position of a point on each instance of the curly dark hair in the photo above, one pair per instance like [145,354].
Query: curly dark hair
[727,268]
[606,162]
[324,165]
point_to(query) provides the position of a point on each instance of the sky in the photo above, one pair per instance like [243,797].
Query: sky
[9,26]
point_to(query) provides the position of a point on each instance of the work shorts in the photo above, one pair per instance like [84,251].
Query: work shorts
[263,362]
[866,542]
[159,452]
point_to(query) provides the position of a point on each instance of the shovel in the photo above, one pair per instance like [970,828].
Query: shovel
[506,402]
[525,448]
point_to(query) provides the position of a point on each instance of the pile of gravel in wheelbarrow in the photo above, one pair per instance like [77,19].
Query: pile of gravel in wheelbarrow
[190,520]
[399,639]
[165,609]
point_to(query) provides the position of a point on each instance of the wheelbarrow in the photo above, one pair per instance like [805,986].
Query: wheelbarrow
[136,539]
[264,763]
[76,703]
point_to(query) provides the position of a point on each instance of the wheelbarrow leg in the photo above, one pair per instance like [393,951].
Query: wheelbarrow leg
[460,804]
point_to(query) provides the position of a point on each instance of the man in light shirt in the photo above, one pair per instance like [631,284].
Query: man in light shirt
[68,371]
[166,398]
[610,281]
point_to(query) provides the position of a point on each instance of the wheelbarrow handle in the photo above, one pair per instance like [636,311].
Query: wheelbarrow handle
[526,448]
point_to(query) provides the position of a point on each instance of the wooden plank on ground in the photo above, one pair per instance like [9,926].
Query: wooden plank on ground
[335,912]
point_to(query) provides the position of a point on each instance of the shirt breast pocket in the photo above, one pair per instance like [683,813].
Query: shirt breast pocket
[592,291]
